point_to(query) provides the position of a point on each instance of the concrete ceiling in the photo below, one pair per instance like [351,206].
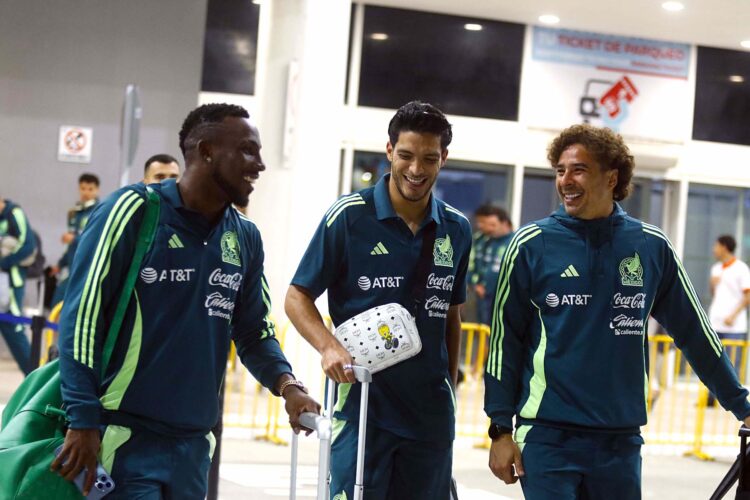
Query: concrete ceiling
[716,23]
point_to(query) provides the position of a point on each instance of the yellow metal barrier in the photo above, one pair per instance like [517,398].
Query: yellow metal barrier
[470,418]
[274,407]
[248,405]
[244,397]
[679,419]
[50,336]
[679,415]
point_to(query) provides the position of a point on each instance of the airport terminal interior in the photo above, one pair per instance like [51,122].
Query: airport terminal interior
[99,87]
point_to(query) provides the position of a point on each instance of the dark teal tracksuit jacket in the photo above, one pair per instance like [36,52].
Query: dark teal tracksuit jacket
[199,286]
[569,347]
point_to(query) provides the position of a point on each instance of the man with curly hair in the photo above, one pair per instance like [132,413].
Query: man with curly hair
[567,351]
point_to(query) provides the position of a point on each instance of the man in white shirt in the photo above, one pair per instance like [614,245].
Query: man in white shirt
[730,284]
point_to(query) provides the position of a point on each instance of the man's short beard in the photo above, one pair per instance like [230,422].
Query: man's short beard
[235,197]
[403,195]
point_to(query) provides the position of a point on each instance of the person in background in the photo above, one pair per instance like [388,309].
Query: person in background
[17,250]
[495,230]
[78,216]
[730,285]
[159,168]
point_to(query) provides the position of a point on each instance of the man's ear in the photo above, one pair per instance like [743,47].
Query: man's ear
[389,151]
[613,176]
[205,150]
[443,157]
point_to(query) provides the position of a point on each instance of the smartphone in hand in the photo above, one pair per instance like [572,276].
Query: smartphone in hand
[103,484]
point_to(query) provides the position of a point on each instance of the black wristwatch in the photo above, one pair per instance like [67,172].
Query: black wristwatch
[495,431]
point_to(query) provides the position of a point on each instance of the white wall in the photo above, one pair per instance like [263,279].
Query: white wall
[67,63]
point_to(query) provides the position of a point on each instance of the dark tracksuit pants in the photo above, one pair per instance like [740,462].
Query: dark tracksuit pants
[15,335]
[395,467]
[149,466]
[572,465]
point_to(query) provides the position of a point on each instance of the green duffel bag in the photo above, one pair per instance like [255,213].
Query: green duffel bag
[32,428]
[33,423]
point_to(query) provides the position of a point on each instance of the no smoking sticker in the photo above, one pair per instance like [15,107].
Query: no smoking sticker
[74,144]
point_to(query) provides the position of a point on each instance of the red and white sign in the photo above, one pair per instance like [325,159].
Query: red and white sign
[637,87]
[74,144]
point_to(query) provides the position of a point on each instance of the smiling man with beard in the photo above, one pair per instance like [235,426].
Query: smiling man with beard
[200,285]
[568,355]
[365,252]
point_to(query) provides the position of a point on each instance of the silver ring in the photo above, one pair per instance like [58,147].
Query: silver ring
[347,367]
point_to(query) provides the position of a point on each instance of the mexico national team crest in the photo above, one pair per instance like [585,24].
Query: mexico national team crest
[443,252]
[631,271]
[230,248]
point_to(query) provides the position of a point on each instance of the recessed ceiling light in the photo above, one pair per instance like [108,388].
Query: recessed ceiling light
[379,36]
[672,6]
[745,43]
[736,78]
[549,19]
[256,2]
[473,27]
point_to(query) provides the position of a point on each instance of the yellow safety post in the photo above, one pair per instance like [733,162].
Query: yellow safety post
[235,391]
[743,361]
[49,333]
[229,377]
[254,411]
[486,442]
[274,407]
[652,394]
[484,333]
[476,335]
[699,422]
[667,343]
[468,328]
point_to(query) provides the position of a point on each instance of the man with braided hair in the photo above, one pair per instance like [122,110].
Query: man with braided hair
[568,356]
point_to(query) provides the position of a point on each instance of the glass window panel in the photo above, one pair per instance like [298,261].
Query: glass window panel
[409,55]
[466,186]
[711,212]
[646,201]
[634,204]
[722,96]
[744,244]
[462,184]
[656,210]
[539,196]
[230,46]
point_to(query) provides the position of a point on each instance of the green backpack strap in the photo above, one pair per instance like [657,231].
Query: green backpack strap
[146,234]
